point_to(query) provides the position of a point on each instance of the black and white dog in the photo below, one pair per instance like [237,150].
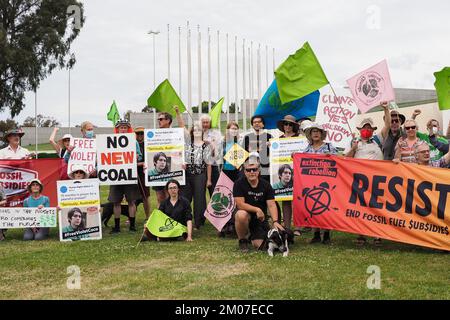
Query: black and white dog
[279,240]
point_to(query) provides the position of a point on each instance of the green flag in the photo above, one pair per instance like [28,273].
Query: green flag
[300,75]
[113,114]
[160,225]
[164,98]
[442,86]
[215,114]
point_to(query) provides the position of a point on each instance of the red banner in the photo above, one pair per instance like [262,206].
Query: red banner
[15,176]
[400,202]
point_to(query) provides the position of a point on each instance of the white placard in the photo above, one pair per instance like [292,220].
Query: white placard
[20,218]
[84,154]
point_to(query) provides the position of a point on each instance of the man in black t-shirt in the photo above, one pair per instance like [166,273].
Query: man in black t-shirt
[253,197]
[258,141]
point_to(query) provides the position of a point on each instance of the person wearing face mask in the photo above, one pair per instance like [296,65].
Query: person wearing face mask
[433,137]
[365,147]
[87,132]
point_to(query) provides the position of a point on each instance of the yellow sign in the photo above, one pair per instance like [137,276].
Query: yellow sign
[67,204]
[236,156]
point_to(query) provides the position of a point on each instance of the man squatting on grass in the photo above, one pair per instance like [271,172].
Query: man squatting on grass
[253,197]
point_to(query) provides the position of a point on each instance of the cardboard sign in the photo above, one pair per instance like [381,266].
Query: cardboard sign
[84,154]
[117,160]
[164,155]
[20,218]
[236,156]
[79,217]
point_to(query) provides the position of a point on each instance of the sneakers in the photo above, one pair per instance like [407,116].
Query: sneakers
[243,245]
[114,231]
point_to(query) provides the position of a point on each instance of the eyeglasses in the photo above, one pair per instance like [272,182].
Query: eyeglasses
[289,124]
[161,119]
[252,170]
[410,128]
[173,188]
[395,121]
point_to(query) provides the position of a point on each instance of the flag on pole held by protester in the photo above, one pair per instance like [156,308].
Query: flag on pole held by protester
[372,86]
[164,98]
[442,86]
[222,204]
[113,114]
[272,109]
[161,225]
[215,114]
[299,75]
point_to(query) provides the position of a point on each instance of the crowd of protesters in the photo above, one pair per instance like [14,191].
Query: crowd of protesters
[399,140]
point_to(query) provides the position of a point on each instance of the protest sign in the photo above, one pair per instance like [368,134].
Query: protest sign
[161,225]
[222,204]
[400,202]
[337,115]
[164,156]
[20,218]
[117,160]
[236,156]
[281,175]
[79,217]
[84,154]
[15,176]
[372,86]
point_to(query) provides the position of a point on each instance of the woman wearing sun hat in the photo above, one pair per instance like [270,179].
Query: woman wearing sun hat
[316,136]
[62,144]
[36,200]
[78,173]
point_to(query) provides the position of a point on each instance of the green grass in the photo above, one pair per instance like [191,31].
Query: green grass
[41,147]
[213,268]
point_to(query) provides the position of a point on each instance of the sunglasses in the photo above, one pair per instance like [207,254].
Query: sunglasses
[289,124]
[410,128]
[395,121]
[161,119]
[139,133]
[252,170]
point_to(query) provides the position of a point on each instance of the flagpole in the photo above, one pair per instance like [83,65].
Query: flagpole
[218,65]
[189,69]
[168,52]
[179,60]
[200,109]
[244,108]
[342,109]
[209,71]
[259,72]
[267,67]
[273,58]
[250,82]
[236,113]
[228,86]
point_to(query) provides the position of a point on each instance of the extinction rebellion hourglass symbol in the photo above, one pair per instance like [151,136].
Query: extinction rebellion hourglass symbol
[318,199]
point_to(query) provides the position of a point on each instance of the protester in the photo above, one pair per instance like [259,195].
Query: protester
[214,138]
[254,196]
[231,138]
[130,191]
[36,200]
[258,141]
[316,144]
[77,222]
[423,157]
[198,172]
[14,151]
[365,147]
[2,204]
[78,173]
[145,191]
[433,137]
[406,146]
[62,145]
[290,128]
[391,132]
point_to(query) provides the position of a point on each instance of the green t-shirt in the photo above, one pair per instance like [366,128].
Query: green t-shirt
[435,154]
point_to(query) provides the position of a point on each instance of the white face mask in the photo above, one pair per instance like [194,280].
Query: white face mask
[435,130]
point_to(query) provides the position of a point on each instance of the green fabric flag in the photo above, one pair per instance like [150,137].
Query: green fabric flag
[442,86]
[164,98]
[215,114]
[113,114]
[300,75]
[160,225]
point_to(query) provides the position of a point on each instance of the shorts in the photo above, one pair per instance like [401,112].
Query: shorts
[258,229]
[131,192]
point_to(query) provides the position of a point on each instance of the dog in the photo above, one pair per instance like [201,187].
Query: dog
[108,211]
[279,240]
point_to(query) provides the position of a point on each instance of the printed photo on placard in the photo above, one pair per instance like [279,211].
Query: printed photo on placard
[80,223]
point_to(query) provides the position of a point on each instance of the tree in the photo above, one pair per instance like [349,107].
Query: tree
[45,122]
[6,125]
[147,109]
[35,38]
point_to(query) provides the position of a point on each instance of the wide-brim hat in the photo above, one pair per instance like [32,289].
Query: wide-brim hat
[314,125]
[66,136]
[19,132]
[290,119]
[299,121]
[139,129]
[37,181]
[395,113]
[76,168]
[368,121]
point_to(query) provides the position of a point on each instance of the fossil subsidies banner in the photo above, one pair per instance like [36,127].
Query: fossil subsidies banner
[400,202]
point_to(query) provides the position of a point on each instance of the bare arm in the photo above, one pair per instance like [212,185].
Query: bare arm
[397,152]
[241,205]
[55,146]
[208,175]
[273,210]
[180,120]
[189,231]
[387,120]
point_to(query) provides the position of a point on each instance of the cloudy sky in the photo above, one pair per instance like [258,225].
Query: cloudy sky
[115,54]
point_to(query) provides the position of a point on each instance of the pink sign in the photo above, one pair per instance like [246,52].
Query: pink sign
[371,87]
[222,203]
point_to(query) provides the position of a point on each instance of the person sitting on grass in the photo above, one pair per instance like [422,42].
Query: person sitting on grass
[254,196]
[36,200]
[177,208]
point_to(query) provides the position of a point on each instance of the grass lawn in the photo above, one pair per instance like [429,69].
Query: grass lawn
[213,268]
